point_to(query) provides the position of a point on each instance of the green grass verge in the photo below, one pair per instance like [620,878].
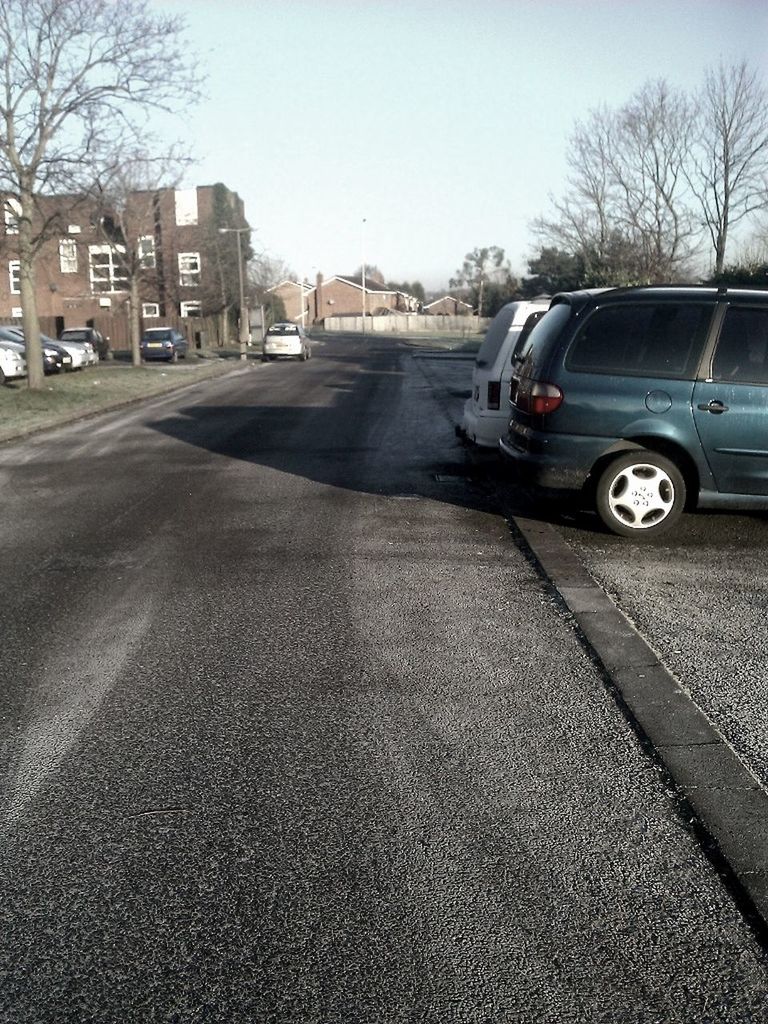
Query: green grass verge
[69,396]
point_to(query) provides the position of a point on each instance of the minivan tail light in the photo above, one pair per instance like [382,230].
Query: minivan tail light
[537,397]
[494,394]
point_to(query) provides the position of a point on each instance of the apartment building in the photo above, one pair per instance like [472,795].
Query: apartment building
[80,272]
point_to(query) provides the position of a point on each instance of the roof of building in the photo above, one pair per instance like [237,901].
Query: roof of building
[442,298]
[356,280]
[304,285]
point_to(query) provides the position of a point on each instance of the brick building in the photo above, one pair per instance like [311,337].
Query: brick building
[341,296]
[79,275]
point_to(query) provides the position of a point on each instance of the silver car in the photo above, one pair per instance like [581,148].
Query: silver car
[78,357]
[85,336]
[12,362]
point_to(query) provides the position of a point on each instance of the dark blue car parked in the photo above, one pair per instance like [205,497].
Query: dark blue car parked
[646,401]
[163,343]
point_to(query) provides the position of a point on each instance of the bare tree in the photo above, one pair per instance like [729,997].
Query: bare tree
[581,222]
[78,79]
[124,211]
[730,166]
[627,213]
[651,197]
[265,271]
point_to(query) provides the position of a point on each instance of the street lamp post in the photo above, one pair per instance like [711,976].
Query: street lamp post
[362,246]
[243,311]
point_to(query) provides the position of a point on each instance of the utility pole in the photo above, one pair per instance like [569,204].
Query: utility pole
[362,247]
[243,310]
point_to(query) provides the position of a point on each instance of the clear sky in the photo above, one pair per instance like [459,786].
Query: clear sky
[443,124]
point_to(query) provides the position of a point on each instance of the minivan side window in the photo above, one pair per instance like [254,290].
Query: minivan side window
[741,355]
[494,338]
[663,339]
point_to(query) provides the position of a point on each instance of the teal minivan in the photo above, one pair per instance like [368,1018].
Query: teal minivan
[644,402]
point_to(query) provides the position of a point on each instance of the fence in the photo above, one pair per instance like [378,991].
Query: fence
[202,332]
[412,323]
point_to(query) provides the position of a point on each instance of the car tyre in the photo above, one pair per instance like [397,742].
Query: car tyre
[640,494]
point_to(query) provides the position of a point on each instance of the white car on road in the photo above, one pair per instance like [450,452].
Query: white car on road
[286,340]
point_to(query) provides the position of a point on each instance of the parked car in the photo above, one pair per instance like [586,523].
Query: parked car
[486,411]
[646,401]
[286,340]
[12,362]
[163,343]
[55,358]
[94,343]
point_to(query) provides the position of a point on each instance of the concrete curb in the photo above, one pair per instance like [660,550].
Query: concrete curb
[730,804]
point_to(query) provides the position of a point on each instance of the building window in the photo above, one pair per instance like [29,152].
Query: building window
[150,309]
[14,276]
[107,274]
[146,253]
[68,255]
[12,214]
[189,269]
[186,206]
[190,309]
[16,312]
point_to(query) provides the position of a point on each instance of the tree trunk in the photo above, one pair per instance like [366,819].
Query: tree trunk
[30,322]
[135,321]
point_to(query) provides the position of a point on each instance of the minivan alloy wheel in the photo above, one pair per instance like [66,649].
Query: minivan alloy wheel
[640,494]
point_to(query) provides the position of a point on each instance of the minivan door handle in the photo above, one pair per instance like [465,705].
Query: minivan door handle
[714,406]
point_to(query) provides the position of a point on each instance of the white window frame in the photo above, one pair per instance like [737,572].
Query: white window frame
[189,269]
[12,213]
[14,276]
[68,255]
[115,278]
[16,312]
[186,206]
[191,308]
[146,252]
[150,309]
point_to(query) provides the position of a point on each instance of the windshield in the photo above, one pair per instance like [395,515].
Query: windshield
[157,335]
[283,329]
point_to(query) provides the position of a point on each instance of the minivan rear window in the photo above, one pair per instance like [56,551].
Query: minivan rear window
[534,352]
[645,340]
[494,338]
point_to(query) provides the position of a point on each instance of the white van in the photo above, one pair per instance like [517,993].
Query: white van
[486,412]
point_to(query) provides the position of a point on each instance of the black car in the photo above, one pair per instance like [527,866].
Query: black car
[55,358]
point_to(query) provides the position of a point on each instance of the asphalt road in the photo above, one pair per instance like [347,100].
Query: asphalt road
[292,730]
